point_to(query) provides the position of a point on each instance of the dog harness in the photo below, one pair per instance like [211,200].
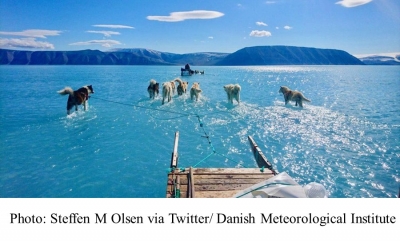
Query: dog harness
[83,96]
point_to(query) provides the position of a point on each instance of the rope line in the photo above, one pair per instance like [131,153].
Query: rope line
[144,107]
[210,143]
[150,108]
[205,158]
[214,152]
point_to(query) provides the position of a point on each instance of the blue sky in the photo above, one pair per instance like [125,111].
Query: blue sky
[356,26]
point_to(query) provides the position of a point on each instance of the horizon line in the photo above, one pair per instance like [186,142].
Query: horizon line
[388,54]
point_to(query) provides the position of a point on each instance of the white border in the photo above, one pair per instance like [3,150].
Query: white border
[201,207]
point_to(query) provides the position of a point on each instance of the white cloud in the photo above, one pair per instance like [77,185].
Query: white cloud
[105,33]
[33,33]
[261,24]
[111,26]
[270,2]
[24,43]
[262,33]
[182,16]
[353,3]
[104,43]
[277,27]
[287,27]
[29,40]
[211,37]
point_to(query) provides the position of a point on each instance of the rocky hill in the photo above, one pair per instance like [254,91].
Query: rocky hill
[288,55]
[261,55]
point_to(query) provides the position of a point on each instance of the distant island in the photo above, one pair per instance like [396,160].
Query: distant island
[381,60]
[258,55]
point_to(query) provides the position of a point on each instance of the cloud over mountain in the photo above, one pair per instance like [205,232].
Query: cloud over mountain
[182,16]
[260,33]
[28,39]
[353,3]
[112,26]
[105,33]
[30,43]
[104,43]
[33,33]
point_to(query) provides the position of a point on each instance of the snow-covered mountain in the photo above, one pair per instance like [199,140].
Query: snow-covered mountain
[380,59]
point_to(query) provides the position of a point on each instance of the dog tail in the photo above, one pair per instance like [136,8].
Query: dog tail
[152,82]
[66,91]
[178,80]
[305,99]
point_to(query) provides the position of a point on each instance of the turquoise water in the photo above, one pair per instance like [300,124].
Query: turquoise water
[347,138]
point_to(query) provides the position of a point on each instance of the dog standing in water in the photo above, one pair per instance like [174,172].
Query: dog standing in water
[195,91]
[293,95]
[153,89]
[173,86]
[77,97]
[182,86]
[167,92]
[233,92]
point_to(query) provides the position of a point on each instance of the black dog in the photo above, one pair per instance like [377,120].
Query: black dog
[77,97]
[153,89]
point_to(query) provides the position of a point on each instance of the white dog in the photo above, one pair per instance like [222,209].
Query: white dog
[167,92]
[233,92]
[173,86]
[195,91]
[293,95]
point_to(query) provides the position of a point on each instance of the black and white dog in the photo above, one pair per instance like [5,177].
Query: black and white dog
[77,97]
[153,89]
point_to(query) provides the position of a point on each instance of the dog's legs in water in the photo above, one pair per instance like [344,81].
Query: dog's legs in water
[286,100]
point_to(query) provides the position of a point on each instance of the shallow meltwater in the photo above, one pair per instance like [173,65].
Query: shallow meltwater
[312,144]
[121,146]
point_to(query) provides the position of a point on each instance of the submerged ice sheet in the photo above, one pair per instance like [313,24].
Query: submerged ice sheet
[346,138]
